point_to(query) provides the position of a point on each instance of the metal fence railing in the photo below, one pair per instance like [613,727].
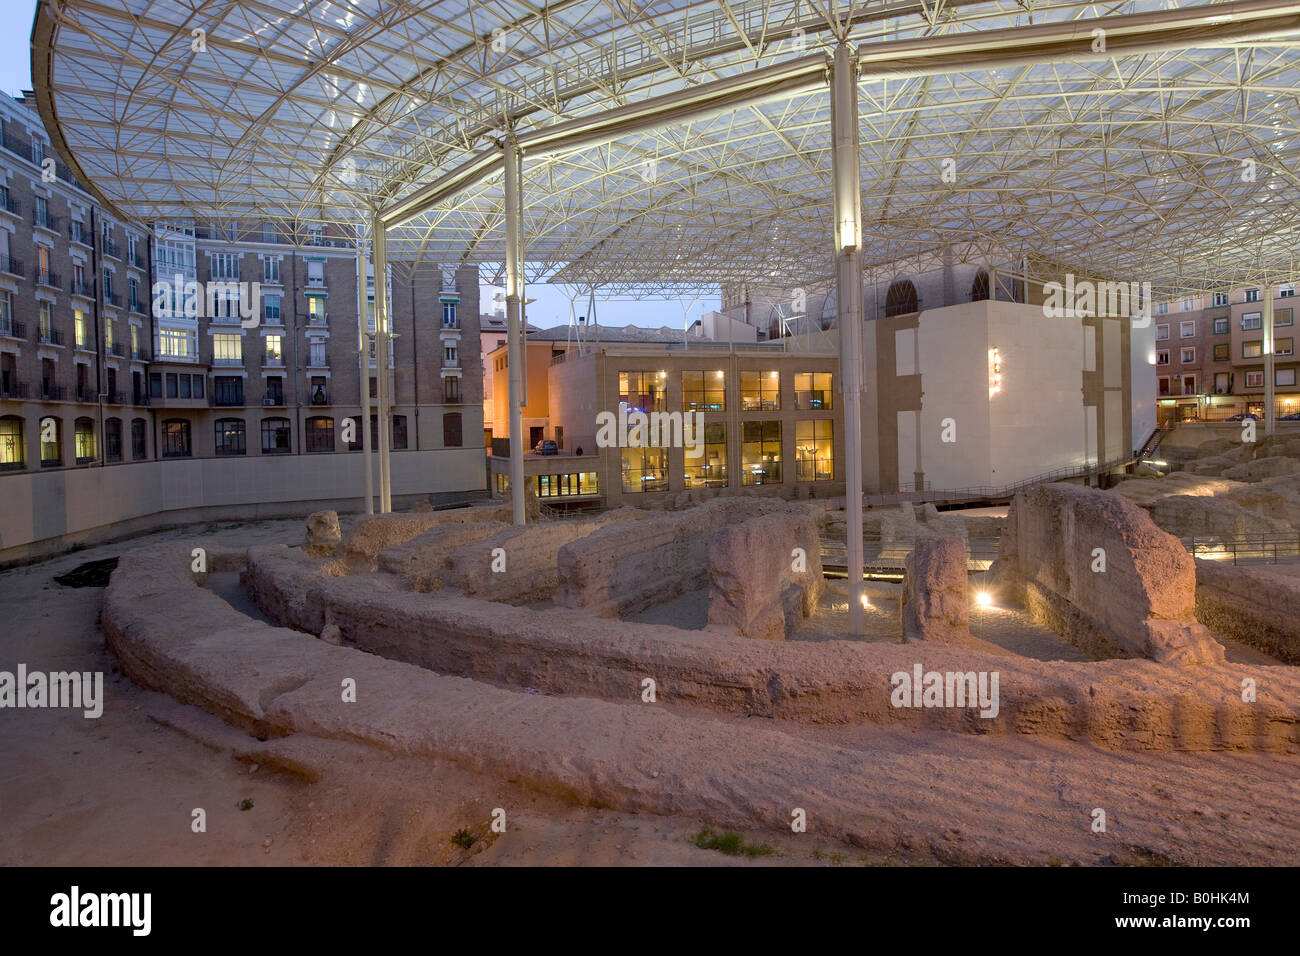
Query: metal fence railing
[1263,548]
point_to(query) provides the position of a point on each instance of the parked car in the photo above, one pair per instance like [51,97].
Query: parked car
[1242,417]
[546,446]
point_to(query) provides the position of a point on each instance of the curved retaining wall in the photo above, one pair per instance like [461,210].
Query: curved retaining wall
[1121,704]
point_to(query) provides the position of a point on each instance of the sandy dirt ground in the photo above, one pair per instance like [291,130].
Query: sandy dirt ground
[122,789]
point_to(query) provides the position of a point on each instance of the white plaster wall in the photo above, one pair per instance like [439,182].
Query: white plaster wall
[954,347]
[45,505]
[1036,422]
[1142,365]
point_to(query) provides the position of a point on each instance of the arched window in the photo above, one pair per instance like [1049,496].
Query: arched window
[139,439]
[451,430]
[112,439]
[276,436]
[229,436]
[84,429]
[176,438]
[901,298]
[13,453]
[51,441]
[320,433]
[979,289]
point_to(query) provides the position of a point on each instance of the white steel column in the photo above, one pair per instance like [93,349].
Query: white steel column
[848,289]
[363,338]
[514,307]
[380,241]
[1270,378]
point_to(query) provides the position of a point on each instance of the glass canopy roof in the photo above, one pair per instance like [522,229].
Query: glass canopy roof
[1177,167]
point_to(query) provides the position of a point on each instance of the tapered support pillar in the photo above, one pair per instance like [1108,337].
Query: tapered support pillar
[1270,376]
[363,338]
[380,240]
[514,317]
[848,289]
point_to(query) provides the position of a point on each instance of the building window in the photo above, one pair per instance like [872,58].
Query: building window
[271,310]
[979,289]
[451,430]
[1162,308]
[80,334]
[704,391]
[449,315]
[176,438]
[225,265]
[1222,353]
[228,390]
[51,441]
[1163,384]
[1252,349]
[1254,379]
[1162,332]
[1162,357]
[1252,295]
[1221,383]
[113,439]
[317,353]
[1221,325]
[1187,329]
[275,436]
[644,469]
[449,356]
[1284,376]
[139,441]
[451,390]
[1220,298]
[319,396]
[174,343]
[814,450]
[1251,321]
[760,453]
[315,273]
[229,436]
[273,356]
[12,450]
[1284,317]
[560,486]
[399,433]
[1188,305]
[760,391]
[1188,356]
[227,349]
[1189,384]
[315,310]
[643,391]
[709,469]
[320,433]
[271,270]
[274,390]
[270,232]
[1284,347]
[812,390]
[901,298]
[84,432]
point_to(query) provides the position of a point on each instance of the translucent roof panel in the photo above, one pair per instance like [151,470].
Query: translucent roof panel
[1176,166]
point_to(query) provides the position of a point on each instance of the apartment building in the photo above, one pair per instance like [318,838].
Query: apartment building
[1209,354]
[188,368]
[75,328]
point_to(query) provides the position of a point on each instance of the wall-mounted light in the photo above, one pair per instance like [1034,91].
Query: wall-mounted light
[995,371]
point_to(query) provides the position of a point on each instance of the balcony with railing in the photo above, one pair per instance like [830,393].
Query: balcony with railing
[118,349]
[320,397]
[11,266]
[227,401]
[315,284]
[83,289]
[11,206]
[318,320]
[78,232]
[85,394]
[82,344]
[108,247]
[136,306]
[44,219]
[54,393]
[12,329]
[136,261]
[227,362]
[48,278]
[139,355]
[113,298]
[17,146]
[114,398]
[50,337]
[13,389]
